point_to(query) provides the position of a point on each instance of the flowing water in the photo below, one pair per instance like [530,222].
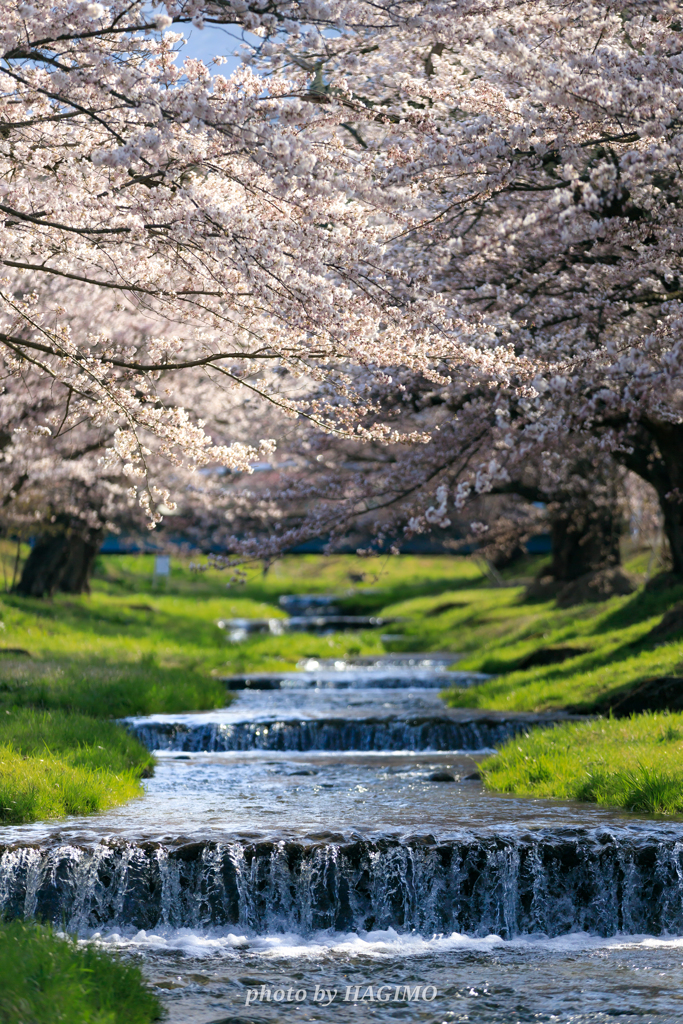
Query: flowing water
[321,852]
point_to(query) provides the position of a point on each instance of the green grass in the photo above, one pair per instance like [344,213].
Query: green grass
[133,648]
[47,979]
[634,763]
[33,788]
[102,686]
[99,655]
[496,629]
[53,763]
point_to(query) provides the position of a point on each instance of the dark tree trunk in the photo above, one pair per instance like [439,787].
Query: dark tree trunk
[62,558]
[673,528]
[585,537]
[656,454]
[79,565]
[584,532]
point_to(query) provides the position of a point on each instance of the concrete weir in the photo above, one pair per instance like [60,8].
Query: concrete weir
[456,729]
[605,881]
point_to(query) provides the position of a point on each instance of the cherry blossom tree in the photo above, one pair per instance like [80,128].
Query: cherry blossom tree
[475,200]
[548,184]
[161,222]
[196,201]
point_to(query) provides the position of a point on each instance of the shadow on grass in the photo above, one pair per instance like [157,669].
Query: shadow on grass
[562,675]
[501,664]
[642,605]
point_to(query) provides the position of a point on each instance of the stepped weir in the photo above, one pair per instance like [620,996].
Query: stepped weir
[326,833]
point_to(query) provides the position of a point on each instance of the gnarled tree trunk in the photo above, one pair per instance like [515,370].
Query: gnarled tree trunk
[62,558]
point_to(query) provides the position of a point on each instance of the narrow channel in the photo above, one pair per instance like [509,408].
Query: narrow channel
[328,836]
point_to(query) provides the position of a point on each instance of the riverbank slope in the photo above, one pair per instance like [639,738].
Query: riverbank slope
[136,646]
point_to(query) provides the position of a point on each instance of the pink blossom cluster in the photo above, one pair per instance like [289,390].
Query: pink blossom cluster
[441,239]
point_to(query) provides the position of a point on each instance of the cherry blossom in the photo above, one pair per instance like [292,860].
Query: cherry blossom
[447,234]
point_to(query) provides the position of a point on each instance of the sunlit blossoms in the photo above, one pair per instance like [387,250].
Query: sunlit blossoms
[451,232]
[542,144]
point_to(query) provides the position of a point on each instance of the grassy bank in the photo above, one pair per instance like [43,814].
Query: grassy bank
[634,763]
[46,979]
[53,763]
[133,647]
[71,665]
[496,630]
[609,638]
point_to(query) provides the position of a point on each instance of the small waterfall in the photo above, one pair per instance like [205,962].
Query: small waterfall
[437,732]
[554,882]
[393,677]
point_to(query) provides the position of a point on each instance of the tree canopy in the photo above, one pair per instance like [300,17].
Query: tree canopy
[447,231]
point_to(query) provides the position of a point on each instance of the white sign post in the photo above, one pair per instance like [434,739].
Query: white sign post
[162,566]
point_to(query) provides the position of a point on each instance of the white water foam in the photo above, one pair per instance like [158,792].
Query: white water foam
[374,945]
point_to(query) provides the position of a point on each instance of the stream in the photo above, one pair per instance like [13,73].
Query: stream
[320,851]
